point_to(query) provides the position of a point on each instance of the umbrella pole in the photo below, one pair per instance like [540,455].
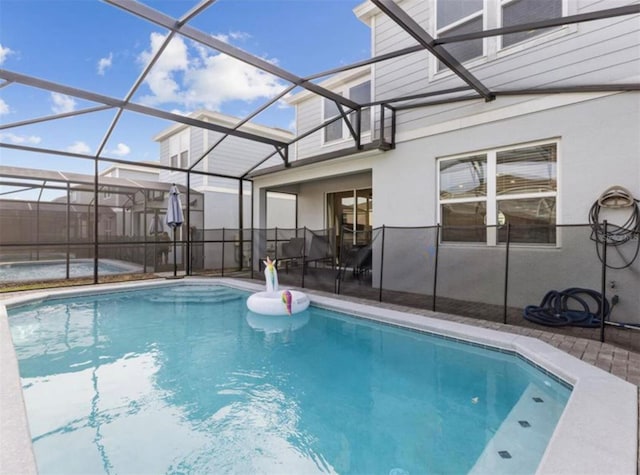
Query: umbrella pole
[175,265]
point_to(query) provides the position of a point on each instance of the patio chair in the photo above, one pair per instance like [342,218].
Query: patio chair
[291,251]
[320,250]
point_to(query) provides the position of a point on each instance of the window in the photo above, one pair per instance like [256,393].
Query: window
[456,17]
[515,12]
[338,130]
[106,195]
[362,94]
[180,161]
[333,131]
[108,227]
[184,159]
[511,186]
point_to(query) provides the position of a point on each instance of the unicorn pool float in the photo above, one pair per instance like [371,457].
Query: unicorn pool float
[274,301]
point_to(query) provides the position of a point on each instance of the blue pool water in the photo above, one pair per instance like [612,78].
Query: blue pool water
[183,380]
[48,270]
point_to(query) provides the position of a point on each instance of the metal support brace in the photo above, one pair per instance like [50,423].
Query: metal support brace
[355,134]
[284,153]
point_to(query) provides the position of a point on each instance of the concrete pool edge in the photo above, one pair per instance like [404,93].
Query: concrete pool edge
[597,432]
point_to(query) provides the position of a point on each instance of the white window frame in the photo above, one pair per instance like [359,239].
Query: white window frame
[346,134]
[491,199]
[492,46]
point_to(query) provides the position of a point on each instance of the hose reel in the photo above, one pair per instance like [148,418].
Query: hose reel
[616,197]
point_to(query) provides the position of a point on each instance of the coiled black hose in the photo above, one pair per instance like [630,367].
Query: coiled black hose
[616,235]
[557,308]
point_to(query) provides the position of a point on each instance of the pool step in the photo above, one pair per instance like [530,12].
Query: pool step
[520,441]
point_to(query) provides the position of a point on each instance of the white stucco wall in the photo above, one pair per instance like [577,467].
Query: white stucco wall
[599,146]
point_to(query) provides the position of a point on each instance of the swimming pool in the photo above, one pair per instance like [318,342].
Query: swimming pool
[326,395]
[57,269]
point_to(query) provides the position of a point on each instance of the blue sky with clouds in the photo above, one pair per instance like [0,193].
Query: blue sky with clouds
[94,46]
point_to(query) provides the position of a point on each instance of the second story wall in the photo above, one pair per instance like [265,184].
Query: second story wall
[180,150]
[312,110]
[596,52]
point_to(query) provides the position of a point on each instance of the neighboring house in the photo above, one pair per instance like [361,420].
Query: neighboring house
[183,147]
[186,147]
[526,159]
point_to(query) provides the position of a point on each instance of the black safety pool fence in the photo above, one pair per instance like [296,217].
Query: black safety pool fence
[581,280]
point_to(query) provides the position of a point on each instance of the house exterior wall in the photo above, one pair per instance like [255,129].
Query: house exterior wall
[598,146]
[312,184]
[597,52]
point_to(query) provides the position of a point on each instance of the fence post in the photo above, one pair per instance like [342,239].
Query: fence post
[253,231]
[304,253]
[337,285]
[604,280]
[223,246]
[275,248]
[506,274]
[435,268]
[381,265]
[68,219]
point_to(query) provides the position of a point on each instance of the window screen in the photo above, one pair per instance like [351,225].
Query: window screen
[332,131]
[518,12]
[362,95]
[464,50]
[450,11]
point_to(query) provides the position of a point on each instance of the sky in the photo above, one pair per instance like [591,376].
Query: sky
[97,47]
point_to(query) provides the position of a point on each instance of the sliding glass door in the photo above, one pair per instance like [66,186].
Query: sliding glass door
[350,214]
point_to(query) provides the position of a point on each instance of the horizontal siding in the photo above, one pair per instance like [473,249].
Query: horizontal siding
[309,115]
[597,52]
[196,144]
[234,156]
[408,74]
[164,152]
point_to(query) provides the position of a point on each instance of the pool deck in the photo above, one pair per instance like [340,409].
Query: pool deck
[622,363]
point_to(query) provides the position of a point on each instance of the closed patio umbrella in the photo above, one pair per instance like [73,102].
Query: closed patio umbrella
[174,219]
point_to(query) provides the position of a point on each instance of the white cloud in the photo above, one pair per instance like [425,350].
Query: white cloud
[62,103]
[239,35]
[20,139]
[121,150]
[104,64]
[79,147]
[232,35]
[161,80]
[4,53]
[4,108]
[200,78]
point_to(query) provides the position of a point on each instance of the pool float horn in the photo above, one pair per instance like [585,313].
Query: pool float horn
[287,300]
[271,271]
